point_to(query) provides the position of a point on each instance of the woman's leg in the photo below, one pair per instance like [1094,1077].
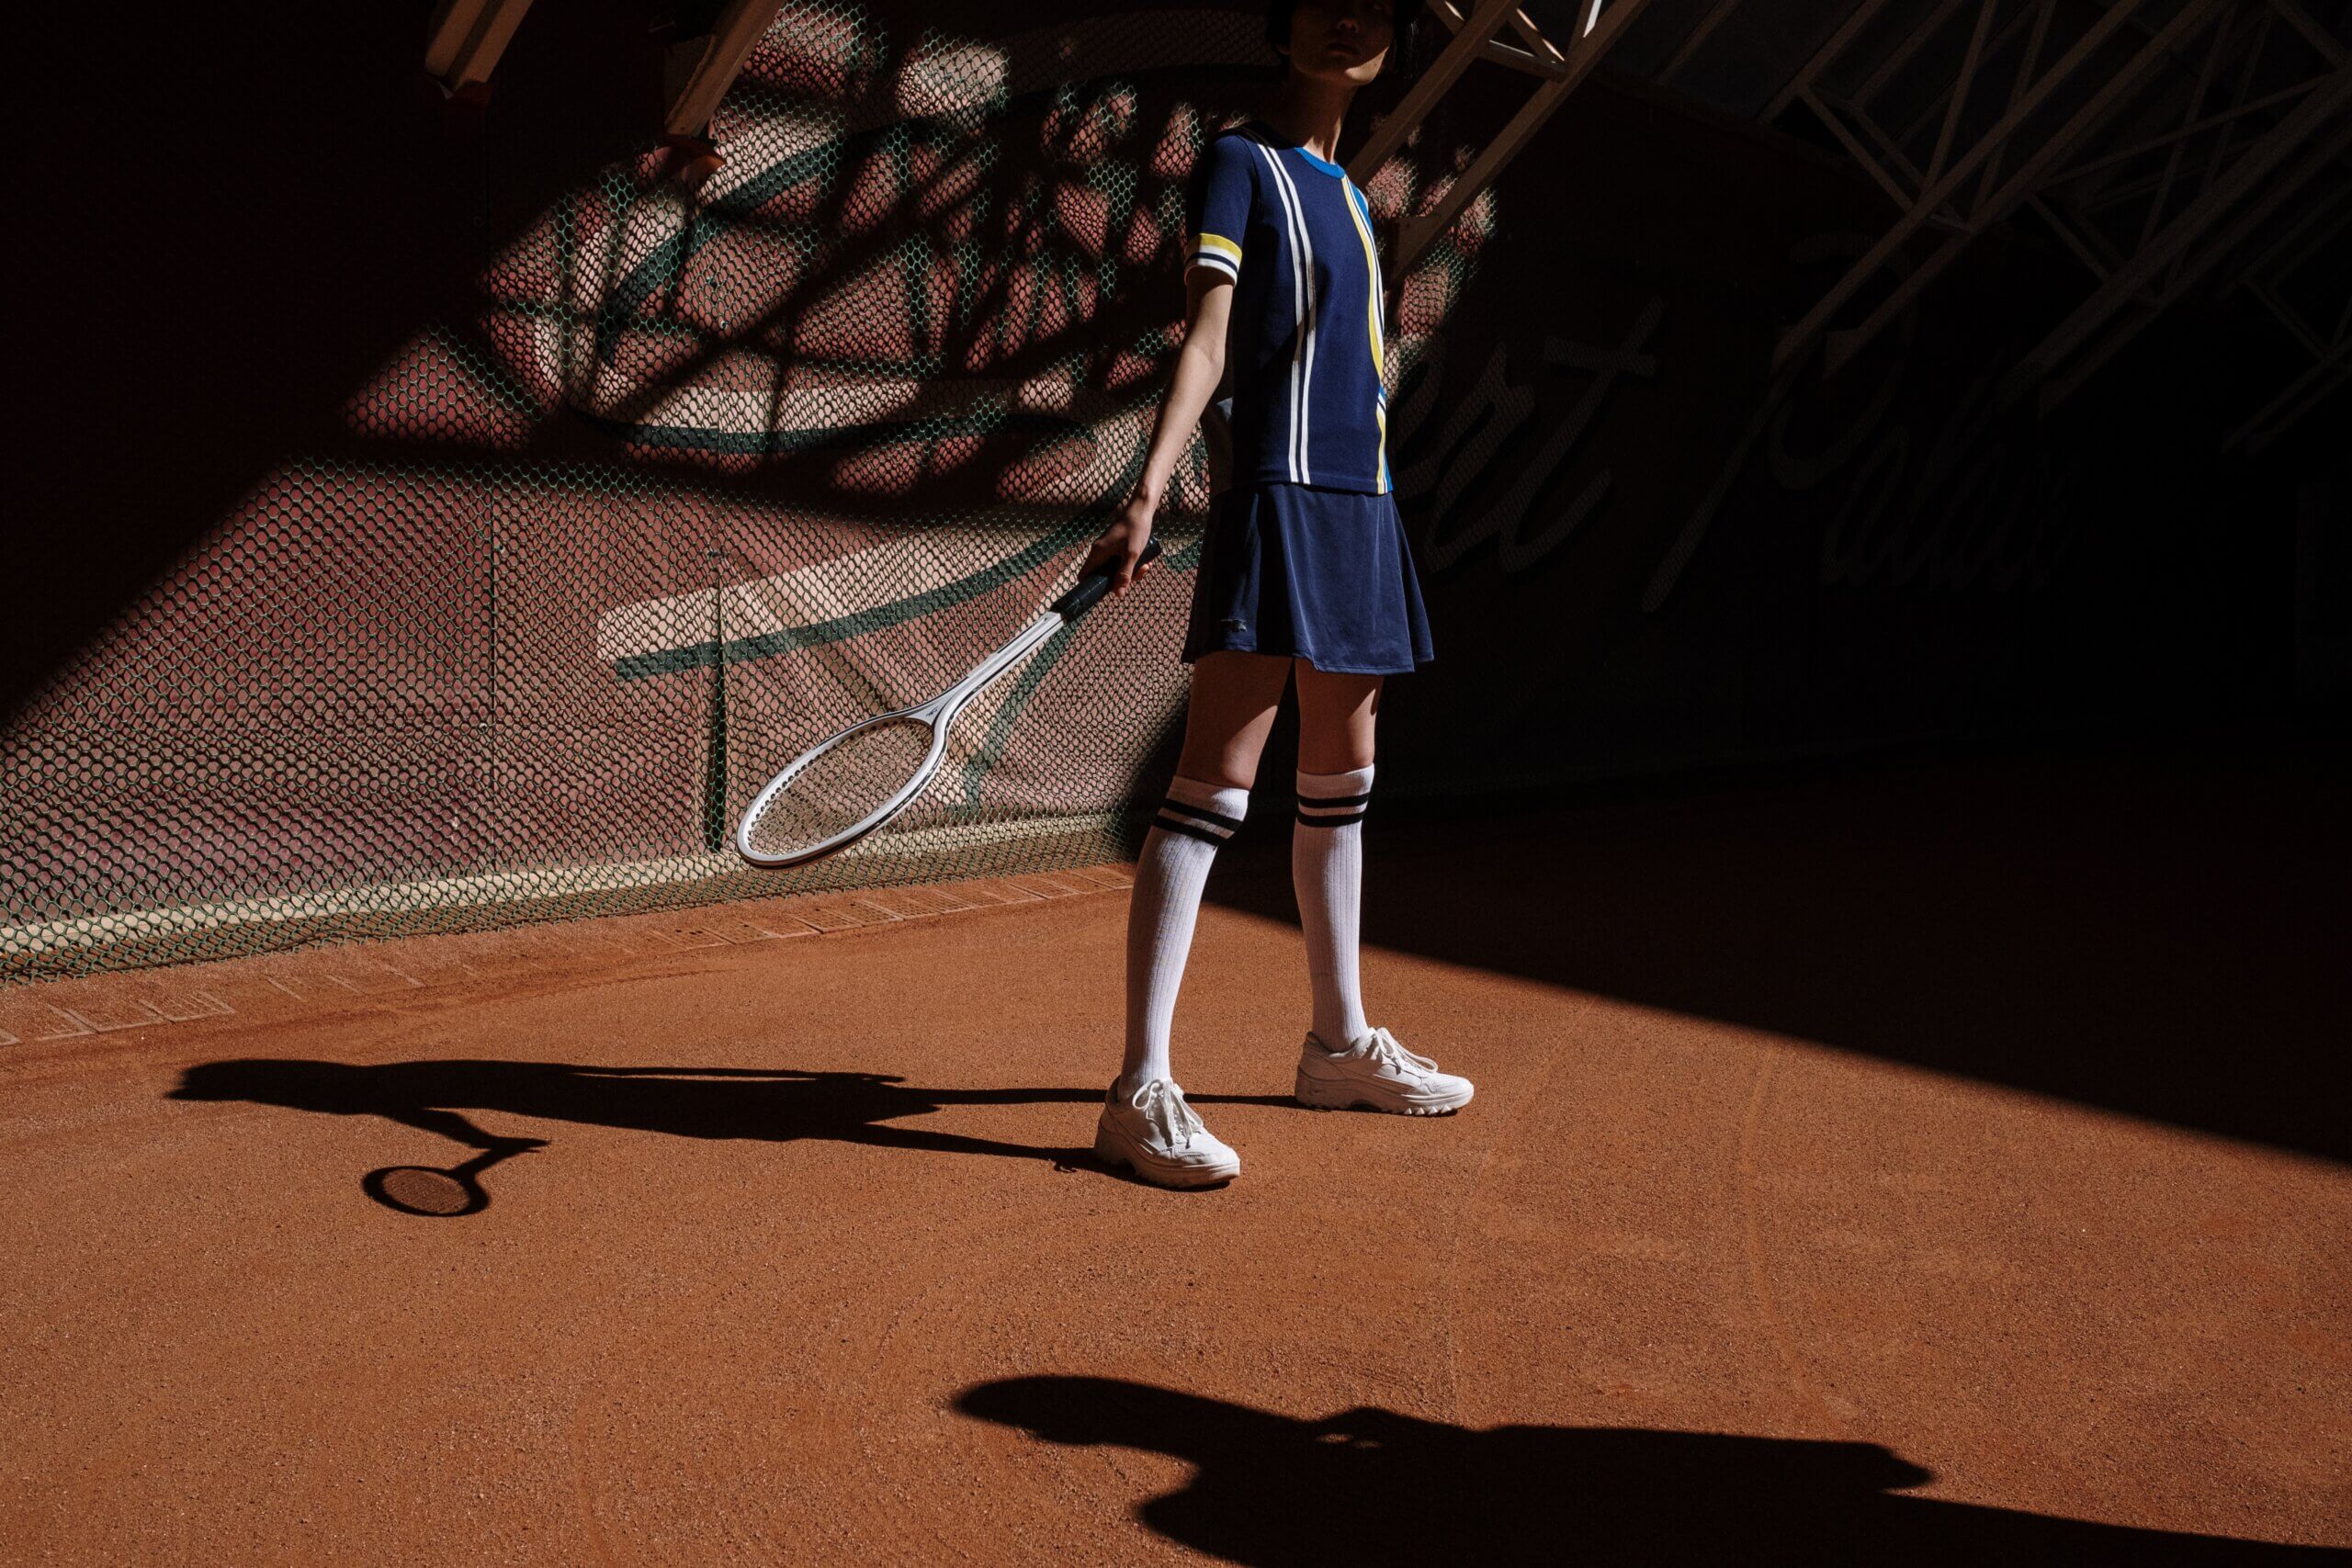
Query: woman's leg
[1231,709]
[1336,718]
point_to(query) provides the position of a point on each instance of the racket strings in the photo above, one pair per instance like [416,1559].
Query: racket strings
[787,701]
[839,788]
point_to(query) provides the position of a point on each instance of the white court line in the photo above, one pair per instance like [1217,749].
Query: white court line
[519,886]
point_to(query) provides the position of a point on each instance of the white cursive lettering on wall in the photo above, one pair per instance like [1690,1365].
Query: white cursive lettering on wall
[1491,413]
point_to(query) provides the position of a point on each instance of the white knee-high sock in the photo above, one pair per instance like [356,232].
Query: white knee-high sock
[1327,872]
[1194,818]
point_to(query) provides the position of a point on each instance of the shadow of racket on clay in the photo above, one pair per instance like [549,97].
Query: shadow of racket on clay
[429,1192]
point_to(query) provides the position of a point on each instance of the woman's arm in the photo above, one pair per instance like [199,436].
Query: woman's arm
[1200,365]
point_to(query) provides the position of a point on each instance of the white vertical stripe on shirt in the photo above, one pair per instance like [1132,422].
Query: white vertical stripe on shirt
[1302,367]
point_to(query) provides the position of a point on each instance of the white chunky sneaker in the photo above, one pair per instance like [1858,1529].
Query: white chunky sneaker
[1155,1131]
[1377,1072]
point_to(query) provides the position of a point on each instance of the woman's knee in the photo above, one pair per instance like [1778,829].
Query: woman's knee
[1337,715]
[1223,767]
[1230,714]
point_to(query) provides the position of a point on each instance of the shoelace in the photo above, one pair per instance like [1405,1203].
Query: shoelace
[1163,1106]
[1385,1051]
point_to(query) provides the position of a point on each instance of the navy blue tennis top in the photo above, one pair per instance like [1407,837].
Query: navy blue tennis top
[1302,342]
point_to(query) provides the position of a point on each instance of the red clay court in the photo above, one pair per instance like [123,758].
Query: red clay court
[1875,828]
[1940,1161]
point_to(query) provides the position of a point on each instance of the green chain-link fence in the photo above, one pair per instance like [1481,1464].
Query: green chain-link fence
[851,412]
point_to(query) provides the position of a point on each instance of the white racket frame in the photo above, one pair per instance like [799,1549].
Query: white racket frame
[939,712]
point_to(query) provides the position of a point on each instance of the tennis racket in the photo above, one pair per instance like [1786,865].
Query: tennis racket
[850,784]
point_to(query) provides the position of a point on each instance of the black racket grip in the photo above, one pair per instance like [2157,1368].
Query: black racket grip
[1089,588]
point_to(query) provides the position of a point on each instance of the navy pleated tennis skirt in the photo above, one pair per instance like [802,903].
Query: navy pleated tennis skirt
[1323,575]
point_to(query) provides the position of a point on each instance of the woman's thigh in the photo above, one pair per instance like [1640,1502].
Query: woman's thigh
[1232,708]
[1336,718]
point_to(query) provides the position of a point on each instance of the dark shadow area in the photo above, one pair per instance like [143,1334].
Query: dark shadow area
[689,1102]
[252,208]
[1371,1485]
[2158,927]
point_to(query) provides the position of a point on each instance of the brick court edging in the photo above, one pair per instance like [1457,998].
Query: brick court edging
[278,986]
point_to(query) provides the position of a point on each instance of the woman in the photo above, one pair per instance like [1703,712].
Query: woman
[1305,570]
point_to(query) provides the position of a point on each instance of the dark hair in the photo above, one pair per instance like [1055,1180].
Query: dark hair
[1401,17]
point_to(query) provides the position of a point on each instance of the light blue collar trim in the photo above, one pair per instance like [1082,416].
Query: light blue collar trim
[1274,137]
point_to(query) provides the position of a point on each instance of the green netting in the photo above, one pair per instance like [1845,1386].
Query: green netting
[851,412]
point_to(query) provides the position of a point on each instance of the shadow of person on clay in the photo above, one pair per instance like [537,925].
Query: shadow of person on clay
[767,1104]
[1374,1486]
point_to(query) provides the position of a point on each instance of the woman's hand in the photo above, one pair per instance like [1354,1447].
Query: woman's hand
[1123,540]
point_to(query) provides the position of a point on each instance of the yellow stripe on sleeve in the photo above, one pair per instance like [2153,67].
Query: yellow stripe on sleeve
[1220,244]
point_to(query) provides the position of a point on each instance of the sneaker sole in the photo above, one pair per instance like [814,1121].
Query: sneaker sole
[1114,1151]
[1317,1094]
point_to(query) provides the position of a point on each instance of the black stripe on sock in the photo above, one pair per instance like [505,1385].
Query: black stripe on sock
[1334,799]
[1201,813]
[1336,819]
[1172,825]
